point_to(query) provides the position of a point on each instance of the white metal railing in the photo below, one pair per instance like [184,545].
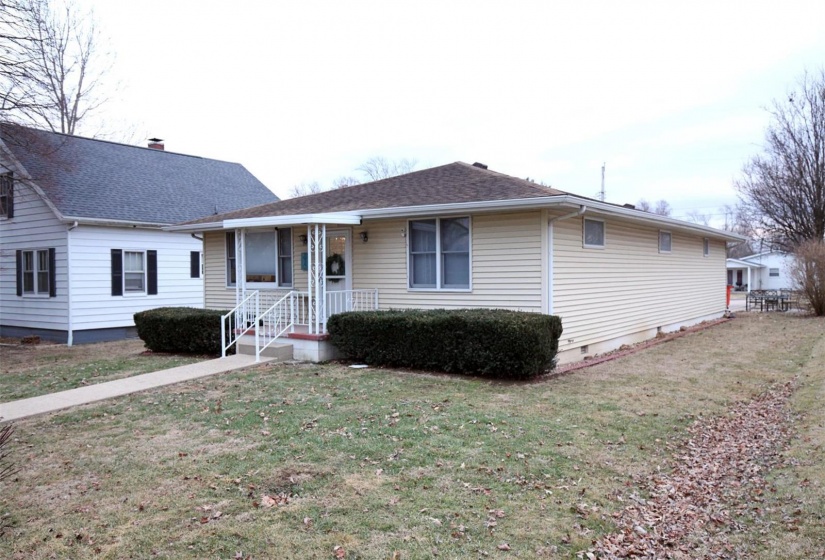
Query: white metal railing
[340,301]
[274,322]
[239,321]
[282,311]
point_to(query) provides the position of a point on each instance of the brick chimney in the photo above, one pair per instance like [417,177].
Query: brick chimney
[156,143]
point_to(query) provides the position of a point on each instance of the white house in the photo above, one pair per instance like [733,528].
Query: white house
[81,241]
[458,236]
[762,271]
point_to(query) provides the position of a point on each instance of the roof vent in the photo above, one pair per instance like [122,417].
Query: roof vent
[628,205]
[479,165]
[156,143]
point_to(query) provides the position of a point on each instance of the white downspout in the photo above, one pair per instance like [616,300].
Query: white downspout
[582,209]
[69,326]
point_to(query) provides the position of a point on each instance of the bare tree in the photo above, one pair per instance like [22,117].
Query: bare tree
[303,189]
[54,65]
[377,168]
[783,188]
[698,217]
[662,207]
[808,273]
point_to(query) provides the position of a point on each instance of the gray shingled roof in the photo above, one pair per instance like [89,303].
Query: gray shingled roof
[87,178]
[447,184]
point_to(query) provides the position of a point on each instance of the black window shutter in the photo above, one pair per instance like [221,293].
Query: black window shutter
[194,264]
[19,272]
[117,272]
[52,273]
[152,272]
[10,213]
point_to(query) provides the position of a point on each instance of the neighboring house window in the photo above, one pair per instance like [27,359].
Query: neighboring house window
[773,272]
[7,195]
[134,272]
[593,233]
[267,254]
[439,254]
[665,242]
[194,264]
[706,247]
[36,273]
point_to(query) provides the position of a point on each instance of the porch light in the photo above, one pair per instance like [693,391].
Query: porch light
[364,236]
[303,238]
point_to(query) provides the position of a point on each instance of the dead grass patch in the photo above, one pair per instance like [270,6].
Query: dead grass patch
[553,457]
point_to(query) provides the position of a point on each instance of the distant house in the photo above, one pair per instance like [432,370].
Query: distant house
[459,236]
[81,241]
[762,271]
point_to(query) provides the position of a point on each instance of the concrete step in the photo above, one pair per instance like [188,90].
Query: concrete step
[278,351]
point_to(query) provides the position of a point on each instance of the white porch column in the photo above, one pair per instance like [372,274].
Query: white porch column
[749,280]
[317,276]
[240,265]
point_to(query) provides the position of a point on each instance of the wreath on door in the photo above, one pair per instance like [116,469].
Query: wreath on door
[335,267]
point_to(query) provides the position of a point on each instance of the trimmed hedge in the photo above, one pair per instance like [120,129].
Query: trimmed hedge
[180,329]
[488,342]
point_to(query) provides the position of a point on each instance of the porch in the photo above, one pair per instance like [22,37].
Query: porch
[267,319]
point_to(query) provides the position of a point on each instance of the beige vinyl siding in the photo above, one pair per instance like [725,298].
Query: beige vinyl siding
[217,294]
[506,267]
[628,286]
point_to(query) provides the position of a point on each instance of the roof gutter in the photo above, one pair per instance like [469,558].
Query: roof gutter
[75,220]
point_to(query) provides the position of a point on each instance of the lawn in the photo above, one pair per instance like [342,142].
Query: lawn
[323,461]
[32,370]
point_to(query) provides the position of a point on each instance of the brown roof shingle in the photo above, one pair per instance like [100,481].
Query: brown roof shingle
[447,184]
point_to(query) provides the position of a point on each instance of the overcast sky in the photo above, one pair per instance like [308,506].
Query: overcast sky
[671,97]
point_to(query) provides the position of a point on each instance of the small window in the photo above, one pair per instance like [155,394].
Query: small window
[706,247]
[134,272]
[593,233]
[665,242]
[6,195]
[773,272]
[285,257]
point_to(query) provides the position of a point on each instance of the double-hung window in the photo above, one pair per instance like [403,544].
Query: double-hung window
[267,258]
[6,195]
[439,254]
[134,272]
[36,272]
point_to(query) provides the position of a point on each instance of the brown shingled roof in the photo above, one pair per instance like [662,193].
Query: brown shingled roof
[447,184]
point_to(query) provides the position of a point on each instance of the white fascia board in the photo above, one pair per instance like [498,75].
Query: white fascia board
[737,263]
[336,218]
[195,228]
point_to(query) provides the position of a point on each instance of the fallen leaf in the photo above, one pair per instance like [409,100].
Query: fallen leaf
[504,546]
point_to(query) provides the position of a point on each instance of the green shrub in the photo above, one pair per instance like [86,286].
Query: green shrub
[180,329]
[488,342]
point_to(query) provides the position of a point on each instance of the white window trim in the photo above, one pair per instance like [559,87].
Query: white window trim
[263,285]
[135,293]
[36,294]
[659,240]
[705,246]
[771,274]
[584,236]
[438,254]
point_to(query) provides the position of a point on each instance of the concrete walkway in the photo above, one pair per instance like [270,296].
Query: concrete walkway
[24,408]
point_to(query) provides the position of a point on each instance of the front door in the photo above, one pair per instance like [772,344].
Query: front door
[338,269]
